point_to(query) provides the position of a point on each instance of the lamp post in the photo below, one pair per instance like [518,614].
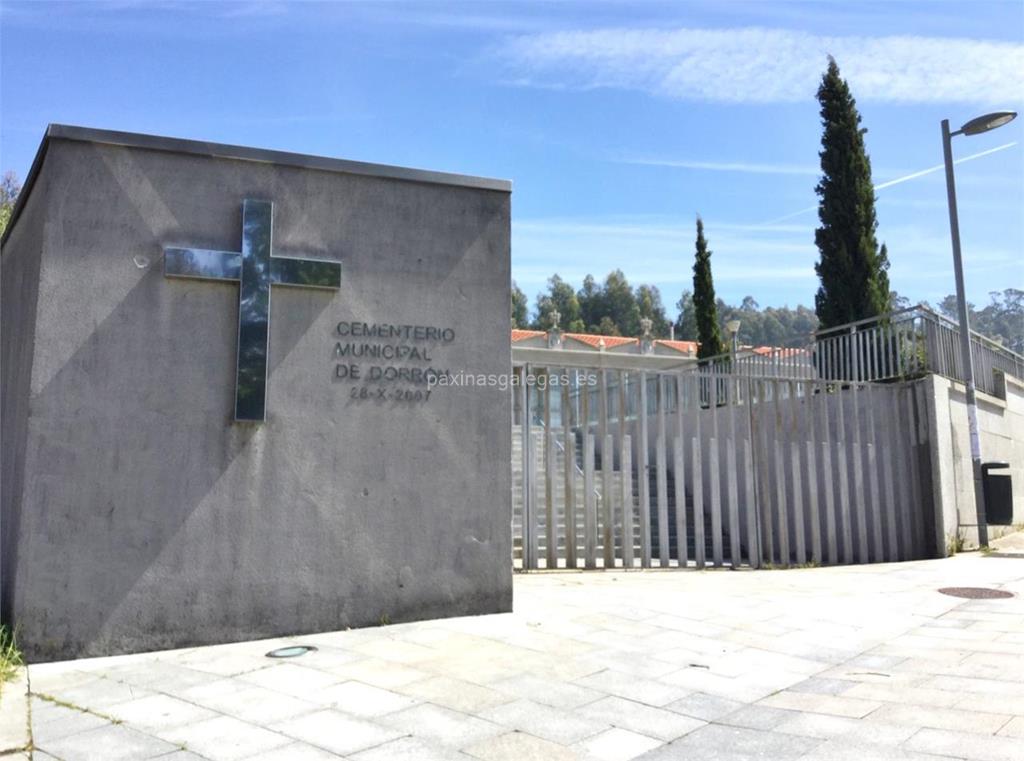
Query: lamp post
[973,127]
[733,326]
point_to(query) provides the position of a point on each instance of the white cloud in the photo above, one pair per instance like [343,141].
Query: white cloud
[760,65]
[728,166]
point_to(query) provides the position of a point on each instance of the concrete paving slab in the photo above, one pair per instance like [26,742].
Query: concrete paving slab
[826,663]
[519,746]
[14,713]
[112,742]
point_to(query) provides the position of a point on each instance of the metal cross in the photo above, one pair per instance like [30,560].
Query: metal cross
[255,268]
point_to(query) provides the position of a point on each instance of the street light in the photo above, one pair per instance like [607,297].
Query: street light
[973,127]
[733,326]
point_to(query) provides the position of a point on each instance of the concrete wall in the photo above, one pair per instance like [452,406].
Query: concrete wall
[20,258]
[146,517]
[1001,424]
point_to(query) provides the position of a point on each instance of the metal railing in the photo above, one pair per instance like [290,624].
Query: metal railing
[902,344]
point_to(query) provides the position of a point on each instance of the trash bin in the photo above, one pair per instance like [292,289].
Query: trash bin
[998,489]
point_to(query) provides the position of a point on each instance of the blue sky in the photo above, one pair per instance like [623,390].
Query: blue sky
[618,123]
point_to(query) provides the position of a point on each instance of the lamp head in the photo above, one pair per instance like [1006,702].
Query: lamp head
[733,326]
[988,122]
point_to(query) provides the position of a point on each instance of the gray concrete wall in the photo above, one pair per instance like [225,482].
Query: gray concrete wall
[1001,425]
[147,517]
[19,288]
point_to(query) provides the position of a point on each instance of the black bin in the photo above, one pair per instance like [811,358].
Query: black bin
[998,490]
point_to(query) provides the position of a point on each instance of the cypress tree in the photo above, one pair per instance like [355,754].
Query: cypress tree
[851,268]
[708,332]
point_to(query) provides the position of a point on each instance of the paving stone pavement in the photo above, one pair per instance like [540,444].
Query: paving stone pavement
[856,662]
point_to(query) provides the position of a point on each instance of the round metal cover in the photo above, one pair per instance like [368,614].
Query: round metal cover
[976,593]
[290,652]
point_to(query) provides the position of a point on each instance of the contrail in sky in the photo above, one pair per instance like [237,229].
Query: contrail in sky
[905,178]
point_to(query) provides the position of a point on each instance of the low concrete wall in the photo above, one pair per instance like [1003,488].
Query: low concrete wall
[1001,425]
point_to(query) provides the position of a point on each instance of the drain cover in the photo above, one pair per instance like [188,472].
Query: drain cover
[976,593]
[290,652]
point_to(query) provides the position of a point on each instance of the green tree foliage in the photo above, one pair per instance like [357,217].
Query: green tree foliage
[520,310]
[648,300]
[772,326]
[591,299]
[1002,320]
[709,332]
[607,327]
[686,321]
[852,269]
[561,298]
[620,304]
[9,189]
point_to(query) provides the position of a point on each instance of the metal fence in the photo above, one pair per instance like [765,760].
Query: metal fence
[898,346]
[619,468]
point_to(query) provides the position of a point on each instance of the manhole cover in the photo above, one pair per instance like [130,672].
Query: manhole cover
[976,593]
[291,652]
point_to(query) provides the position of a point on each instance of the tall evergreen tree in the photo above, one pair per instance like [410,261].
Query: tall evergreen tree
[851,268]
[708,331]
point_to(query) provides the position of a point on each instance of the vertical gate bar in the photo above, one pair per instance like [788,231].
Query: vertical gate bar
[607,474]
[643,475]
[682,550]
[680,495]
[696,475]
[781,454]
[525,436]
[627,501]
[889,449]
[909,512]
[713,471]
[844,479]
[698,500]
[917,518]
[568,479]
[626,478]
[766,482]
[797,500]
[811,401]
[550,534]
[589,503]
[570,501]
[589,534]
[828,476]
[608,498]
[798,398]
[859,492]
[902,474]
[732,477]
[873,465]
[661,459]
[750,482]
[714,474]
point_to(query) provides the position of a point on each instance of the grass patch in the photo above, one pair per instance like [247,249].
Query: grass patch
[10,656]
